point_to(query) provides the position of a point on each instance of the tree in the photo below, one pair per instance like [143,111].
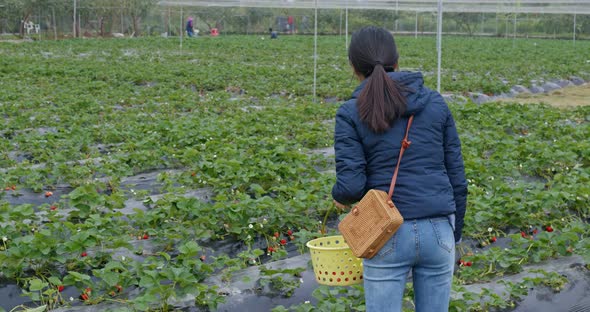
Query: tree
[138,9]
[23,8]
[213,17]
[464,21]
[103,9]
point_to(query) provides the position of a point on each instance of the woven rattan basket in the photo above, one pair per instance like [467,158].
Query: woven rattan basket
[334,264]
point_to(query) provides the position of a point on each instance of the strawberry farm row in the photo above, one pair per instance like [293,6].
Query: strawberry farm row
[234,116]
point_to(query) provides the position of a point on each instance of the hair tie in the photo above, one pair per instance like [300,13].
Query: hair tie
[378,63]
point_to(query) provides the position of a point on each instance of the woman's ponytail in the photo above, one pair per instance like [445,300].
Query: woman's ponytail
[381,101]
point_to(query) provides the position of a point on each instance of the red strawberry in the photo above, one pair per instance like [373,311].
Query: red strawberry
[523,234]
[145,236]
[468,263]
[535,231]
[48,194]
[549,228]
[60,288]
[460,262]
[84,297]
[493,239]
[53,208]
[277,234]
[289,232]
[270,249]
[283,241]
[84,254]
[13,187]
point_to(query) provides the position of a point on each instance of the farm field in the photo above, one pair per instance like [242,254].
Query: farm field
[133,171]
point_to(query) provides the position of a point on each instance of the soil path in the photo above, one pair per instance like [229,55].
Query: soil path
[563,98]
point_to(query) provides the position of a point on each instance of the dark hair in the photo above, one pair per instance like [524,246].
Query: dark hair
[372,52]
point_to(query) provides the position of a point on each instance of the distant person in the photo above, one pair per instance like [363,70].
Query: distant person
[189,27]
[273,34]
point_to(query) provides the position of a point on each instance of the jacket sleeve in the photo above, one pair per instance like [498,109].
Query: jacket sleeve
[350,161]
[455,171]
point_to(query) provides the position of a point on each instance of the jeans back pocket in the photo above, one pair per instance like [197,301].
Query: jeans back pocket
[444,233]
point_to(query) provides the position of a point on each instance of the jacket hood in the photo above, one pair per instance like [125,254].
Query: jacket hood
[416,97]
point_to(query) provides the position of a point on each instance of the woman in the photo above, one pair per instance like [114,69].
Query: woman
[431,190]
[189,27]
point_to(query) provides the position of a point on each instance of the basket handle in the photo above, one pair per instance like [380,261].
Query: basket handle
[405,145]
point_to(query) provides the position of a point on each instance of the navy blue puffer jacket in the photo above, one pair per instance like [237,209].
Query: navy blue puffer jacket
[431,180]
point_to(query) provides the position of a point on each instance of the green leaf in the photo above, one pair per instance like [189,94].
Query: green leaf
[54,281]
[164,255]
[111,278]
[114,265]
[36,285]
[78,277]
[190,249]
[37,309]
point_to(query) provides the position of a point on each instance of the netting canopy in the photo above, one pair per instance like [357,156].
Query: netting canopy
[515,6]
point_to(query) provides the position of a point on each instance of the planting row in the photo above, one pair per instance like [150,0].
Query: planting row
[134,175]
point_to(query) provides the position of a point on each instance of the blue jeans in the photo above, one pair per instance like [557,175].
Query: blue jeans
[427,248]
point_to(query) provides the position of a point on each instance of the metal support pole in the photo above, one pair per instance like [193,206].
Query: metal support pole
[514,35]
[496,24]
[181,26]
[439,43]
[346,26]
[506,28]
[416,28]
[574,29]
[74,29]
[39,21]
[315,52]
[396,15]
[54,25]
[340,34]
[482,19]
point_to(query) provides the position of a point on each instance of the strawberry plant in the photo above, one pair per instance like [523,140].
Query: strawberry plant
[131,177]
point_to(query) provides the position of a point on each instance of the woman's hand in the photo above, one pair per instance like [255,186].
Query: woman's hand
[340,206]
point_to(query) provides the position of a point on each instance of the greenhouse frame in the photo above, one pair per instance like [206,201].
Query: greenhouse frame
[488,6]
